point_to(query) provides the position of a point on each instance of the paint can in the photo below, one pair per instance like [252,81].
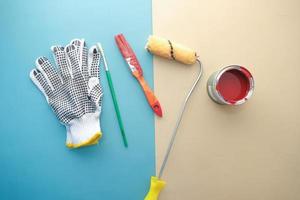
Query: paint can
[232,85]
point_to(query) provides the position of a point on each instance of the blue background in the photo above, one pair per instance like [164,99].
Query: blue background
[34,162]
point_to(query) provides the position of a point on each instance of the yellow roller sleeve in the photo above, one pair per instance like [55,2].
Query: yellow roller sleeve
[170,50]
[156,186]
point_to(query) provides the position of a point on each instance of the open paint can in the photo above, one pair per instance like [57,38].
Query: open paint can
[232,85]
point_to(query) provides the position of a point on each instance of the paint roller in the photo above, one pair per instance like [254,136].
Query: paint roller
[173,51]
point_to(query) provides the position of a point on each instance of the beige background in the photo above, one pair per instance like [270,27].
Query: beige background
[231,153]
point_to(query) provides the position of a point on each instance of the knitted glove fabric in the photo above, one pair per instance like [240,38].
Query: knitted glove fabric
[73,90]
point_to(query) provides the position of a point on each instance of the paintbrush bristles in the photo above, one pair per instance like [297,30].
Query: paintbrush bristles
[99,46]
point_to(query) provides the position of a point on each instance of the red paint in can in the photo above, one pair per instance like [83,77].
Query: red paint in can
[233,85]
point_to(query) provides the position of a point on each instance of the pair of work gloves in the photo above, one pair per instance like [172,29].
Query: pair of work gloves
[73,90]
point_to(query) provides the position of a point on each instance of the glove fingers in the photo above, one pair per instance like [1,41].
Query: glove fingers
[95,89]
[40,81]
[94,61]
[73,59]
[96,94]
[46,68]
[82,53]
[85,70]
[61,61]
[78,44]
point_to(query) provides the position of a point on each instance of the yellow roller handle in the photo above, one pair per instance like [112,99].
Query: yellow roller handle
[156,186]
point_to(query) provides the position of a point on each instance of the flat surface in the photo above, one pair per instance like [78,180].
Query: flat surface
[34,162]
[250,152]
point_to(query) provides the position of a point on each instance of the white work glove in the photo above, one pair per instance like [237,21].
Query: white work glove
[73,91]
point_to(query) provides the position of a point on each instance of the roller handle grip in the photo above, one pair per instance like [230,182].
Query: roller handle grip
[151,98]
[156,186]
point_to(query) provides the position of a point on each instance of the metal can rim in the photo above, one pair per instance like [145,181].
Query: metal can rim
[245,72]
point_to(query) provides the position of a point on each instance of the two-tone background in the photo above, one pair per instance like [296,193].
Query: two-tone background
[250,152]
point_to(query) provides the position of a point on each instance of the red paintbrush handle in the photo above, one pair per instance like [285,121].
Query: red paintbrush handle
[152,100]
